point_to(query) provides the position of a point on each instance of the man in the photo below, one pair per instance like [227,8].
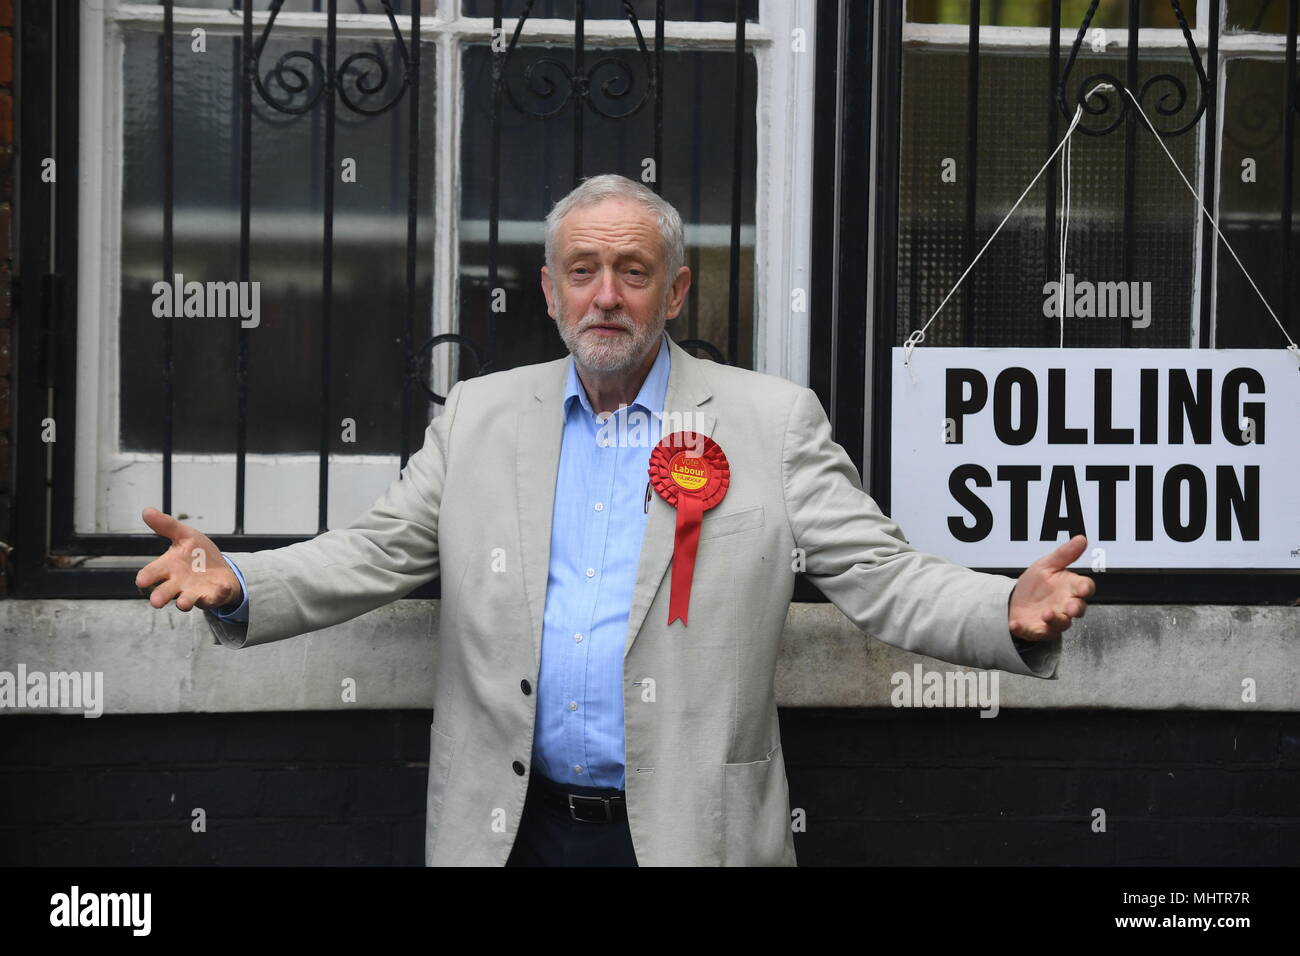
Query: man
[572,722]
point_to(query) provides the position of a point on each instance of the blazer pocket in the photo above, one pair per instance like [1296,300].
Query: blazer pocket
[755,811]
[715,526]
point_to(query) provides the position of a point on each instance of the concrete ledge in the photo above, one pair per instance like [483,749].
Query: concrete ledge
[1135,657]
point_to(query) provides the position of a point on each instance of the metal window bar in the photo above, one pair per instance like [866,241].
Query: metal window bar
[1288,163]
[50,549]
[972,163]
[1113,110]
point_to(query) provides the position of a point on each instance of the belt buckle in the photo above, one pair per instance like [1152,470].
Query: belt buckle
[604,802]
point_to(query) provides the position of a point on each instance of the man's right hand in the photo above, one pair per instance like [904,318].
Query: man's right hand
[192,570]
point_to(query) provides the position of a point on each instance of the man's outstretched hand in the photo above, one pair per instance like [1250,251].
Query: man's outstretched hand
[1047,598]
[192,570]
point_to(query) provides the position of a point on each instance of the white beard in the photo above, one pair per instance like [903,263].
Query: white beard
[620,353]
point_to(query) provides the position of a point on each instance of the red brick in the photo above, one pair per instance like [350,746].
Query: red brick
[6,59]
[6,13]
[6,119]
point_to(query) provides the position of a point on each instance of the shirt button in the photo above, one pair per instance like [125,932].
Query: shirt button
[591,572]
[600,506]
[526,687]
[577,638]
[573,705]
[518,767]
[577,768]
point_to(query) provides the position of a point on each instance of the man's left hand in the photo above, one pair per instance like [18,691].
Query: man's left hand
[1047,598]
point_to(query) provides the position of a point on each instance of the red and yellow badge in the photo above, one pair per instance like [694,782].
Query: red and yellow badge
[690,472]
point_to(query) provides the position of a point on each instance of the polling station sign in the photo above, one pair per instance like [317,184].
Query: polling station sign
[1164,458]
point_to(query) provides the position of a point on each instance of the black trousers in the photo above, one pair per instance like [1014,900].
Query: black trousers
[549,836]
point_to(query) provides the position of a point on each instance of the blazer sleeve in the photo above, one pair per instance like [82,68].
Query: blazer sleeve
[859,558]
[381,556]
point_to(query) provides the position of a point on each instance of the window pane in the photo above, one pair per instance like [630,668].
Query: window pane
[1038,13]
[286,251]
[690,10]
[1008,284]
[1250,207]
[1256,16]
[537,168]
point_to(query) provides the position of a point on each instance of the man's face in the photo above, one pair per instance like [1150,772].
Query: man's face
[610,294]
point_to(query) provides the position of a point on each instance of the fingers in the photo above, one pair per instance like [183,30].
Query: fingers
[211,594]
[1067,553]
[163,593]
[152,573]
[188,600]
[1057,621]
[164,524]
[1083,587]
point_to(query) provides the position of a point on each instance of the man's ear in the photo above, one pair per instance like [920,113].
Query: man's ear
[548,290]
[677,292]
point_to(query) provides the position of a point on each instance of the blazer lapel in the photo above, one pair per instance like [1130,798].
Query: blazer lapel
[687,390]
[537,463]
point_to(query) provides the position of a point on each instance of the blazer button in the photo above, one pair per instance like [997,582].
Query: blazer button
[519,768]
[526,687]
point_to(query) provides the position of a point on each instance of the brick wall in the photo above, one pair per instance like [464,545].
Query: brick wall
[878,787]
[932,786]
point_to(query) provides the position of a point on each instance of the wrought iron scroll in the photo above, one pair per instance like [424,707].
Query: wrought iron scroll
[1171,102]
[547,76]
[295,82]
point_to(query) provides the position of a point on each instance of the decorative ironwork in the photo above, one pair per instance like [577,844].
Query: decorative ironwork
[464,341]
[577,82]
[294,81]
[714,352]
[1169,103]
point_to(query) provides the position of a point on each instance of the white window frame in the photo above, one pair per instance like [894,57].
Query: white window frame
[107,480]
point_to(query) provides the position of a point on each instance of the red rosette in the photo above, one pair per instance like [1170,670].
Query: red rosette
[690,472]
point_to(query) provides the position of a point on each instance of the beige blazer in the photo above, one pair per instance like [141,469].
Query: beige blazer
[706,781]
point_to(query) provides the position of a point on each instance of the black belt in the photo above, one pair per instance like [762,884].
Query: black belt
[585,808]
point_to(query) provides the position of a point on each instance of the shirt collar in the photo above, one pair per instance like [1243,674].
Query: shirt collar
[653,391]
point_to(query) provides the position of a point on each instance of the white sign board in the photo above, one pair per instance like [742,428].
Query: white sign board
[1164,458]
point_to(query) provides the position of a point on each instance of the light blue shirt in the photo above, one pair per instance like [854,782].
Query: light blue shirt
[597,524]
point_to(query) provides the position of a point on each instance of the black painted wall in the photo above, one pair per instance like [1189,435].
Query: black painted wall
[878,787]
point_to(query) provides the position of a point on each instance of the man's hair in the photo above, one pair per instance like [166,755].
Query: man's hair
[613,186]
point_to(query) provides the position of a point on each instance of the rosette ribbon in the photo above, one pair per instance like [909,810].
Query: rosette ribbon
[690,472]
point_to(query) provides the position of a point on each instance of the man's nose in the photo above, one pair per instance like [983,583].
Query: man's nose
[608,296]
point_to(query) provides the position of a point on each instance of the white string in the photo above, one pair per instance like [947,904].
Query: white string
[918,336]
[1066,175]
[1291,345]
